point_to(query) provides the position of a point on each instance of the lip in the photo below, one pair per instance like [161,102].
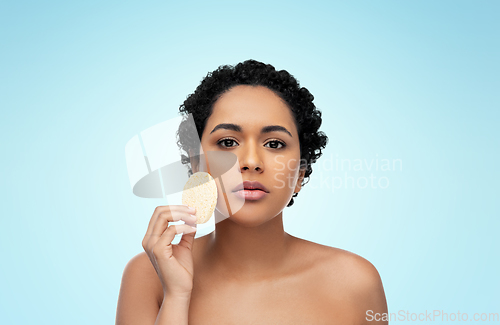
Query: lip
[251,186]
[251,195]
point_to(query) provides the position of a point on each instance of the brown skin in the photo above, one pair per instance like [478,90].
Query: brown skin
[250,271]
[242,243]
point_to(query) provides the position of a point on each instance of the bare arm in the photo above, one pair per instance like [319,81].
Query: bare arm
[173,311]
[137,301]
[368,291]
[375,303]
[156,285]
[140,295]
[354,284]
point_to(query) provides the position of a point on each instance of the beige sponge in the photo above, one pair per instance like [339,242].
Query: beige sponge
[200,192]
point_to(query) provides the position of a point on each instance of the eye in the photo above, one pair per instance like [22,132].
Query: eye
[226,143]
[274,144]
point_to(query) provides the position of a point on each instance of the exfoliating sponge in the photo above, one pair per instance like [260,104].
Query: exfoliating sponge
[200,192]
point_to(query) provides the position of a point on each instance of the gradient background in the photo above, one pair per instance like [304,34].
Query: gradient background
[410,80]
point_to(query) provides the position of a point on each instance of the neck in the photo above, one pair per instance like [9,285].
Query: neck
[240,252]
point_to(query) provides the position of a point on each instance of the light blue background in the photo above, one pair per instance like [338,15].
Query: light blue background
[410,80]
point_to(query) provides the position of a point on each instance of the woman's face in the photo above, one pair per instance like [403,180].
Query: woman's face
[255,125]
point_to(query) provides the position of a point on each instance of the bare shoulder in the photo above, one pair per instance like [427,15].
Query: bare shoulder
[140,292]
[358,271]
[144,270]
[346,266]
[140,260]
[141,264]
[347,278]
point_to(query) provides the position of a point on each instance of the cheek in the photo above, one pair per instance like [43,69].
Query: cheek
[228,203]
[286,173]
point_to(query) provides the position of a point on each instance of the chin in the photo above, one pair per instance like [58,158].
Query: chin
[248,221]
[250,216]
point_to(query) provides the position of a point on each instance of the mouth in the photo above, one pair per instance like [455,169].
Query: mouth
[251,190]
[250,186]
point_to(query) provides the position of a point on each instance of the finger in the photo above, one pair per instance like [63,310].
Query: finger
[158,211]
[187,240]
[170,216]
[181,214]
[163,246]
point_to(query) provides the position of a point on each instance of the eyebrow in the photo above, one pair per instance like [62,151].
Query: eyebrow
[237,128]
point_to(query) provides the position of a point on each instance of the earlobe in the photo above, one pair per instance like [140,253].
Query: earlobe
[194,161]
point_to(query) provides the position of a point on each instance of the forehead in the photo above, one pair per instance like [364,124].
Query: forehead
[252,107]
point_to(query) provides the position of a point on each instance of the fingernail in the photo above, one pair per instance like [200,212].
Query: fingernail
[193,210]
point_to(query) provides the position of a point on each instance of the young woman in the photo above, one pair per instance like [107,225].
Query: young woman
[249,270]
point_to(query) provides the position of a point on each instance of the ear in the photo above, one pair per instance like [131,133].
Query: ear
[194,160]
[298,186]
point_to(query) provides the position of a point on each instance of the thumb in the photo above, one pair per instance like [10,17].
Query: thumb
[187,240]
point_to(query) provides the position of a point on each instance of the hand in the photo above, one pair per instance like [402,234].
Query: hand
[173,263]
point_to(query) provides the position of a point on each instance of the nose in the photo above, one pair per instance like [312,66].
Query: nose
[250,159]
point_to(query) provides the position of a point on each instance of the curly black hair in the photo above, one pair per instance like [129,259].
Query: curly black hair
[254,73]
